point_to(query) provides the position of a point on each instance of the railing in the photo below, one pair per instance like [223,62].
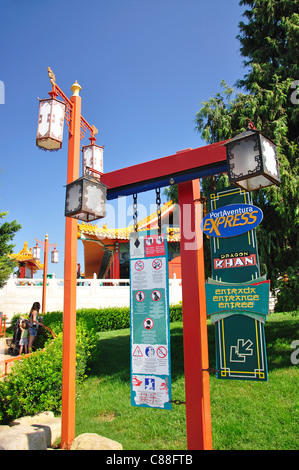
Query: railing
[80,282]
[12,359]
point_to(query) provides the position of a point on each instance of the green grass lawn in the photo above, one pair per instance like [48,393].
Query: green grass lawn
[245,415]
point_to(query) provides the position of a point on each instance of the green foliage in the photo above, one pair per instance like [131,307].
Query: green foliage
[93,318]
[288,294]
[107,318]
[268,41]
[172,193]
[270,35]
[104,319]
[35,383]
[7,232]
[175,313]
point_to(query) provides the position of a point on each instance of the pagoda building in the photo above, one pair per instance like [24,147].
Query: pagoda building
[27,264]
[106,251]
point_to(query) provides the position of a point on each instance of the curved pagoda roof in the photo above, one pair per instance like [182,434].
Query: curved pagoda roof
[173,233]
[26,256]
[100,242]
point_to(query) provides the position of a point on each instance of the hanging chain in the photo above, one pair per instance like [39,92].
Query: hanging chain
[158,202]
[177,402]
[210,370]
[135,212]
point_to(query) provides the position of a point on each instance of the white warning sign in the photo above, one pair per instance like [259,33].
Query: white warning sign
[149,316]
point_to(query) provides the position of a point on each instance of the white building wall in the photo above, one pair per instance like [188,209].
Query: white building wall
[18,295]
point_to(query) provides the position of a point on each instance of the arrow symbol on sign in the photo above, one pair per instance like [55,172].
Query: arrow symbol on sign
[238,353]
[244,348]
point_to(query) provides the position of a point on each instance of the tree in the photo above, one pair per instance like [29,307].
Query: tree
[7,232]
[267,97]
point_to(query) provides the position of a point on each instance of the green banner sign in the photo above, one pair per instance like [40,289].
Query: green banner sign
[237,296]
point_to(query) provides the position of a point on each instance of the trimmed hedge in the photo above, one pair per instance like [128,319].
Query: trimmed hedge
[104,319]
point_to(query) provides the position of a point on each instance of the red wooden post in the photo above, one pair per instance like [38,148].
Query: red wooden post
[198,413]
[22,272]
[45,271]
[70,287]
[116,264]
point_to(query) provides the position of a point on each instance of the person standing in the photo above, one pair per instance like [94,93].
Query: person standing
[33,323]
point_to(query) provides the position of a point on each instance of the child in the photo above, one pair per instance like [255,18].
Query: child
[24,326]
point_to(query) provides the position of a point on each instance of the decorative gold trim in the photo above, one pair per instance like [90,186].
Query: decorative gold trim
[51,75]
[76,88]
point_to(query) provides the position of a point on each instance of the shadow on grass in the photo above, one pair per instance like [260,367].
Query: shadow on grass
[113,358]
[113,355]
[114,352]
[279,337]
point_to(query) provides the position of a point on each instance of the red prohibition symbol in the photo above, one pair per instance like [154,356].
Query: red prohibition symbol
[140,296]
[157,264]
[156,295]
[161,352]
[148,323]
[139,265]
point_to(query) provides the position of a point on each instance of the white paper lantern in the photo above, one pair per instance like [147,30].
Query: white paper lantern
[54,255]
[86,199]
[92,158]
[50,124]
[36,252]
[252,161]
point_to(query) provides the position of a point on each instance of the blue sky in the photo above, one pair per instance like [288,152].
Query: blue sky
[144,68]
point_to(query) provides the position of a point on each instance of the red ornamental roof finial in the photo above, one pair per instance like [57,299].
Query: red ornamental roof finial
[250,124]
[94,132]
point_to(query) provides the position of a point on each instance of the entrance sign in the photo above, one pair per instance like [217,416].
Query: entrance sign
[239,312]
[150,336]
[251,298]
[237,297]
[232,220]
